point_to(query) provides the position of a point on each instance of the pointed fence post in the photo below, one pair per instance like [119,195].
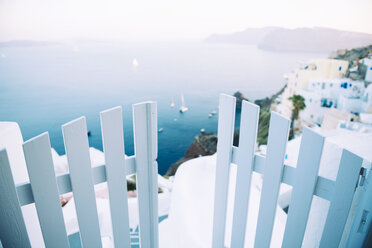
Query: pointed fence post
[13,231]
[226,119]
[247,142]
[44,188]
[362,221]
[276,147]
[113,147]
[77,151]
[303,189]
[146,150]
[347,178]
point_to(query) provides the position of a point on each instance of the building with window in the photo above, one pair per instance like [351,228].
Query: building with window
[344,94]
[300,78]
[368,63]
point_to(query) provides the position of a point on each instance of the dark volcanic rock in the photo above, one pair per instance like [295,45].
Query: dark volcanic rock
[203,145]
[353,54]
[206,144]
[173,168]
[239,99]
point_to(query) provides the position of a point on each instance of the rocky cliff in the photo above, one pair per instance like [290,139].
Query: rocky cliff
[203,144]
[206,143]
[317,39]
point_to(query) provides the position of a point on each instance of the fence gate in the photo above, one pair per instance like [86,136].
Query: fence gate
[304,179]
[44,187]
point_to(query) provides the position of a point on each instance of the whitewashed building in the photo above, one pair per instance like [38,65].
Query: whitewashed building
[368,63]
[300,78]
[343,94]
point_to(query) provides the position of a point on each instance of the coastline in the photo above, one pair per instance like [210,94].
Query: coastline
[206,143]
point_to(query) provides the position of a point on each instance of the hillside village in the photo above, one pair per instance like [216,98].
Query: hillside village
[336,98]
[337,94]
[186,124]
[337,91]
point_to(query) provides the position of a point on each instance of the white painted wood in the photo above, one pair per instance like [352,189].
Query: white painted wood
[146,150]
[346,181]
[363,218]
[247,142]
[226,119]
[64,182]
[304,185]
[276,147]
[145,124]
[324,187]
[130,165]
[40,168]
[13,231]
[113,147]
[77,151]
[24,193]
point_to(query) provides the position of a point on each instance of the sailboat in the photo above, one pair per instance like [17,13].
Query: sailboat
[183,107]
[172,104]
[135,63]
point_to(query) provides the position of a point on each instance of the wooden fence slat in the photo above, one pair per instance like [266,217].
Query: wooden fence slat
[44,187]
[276,148]
[347,177]
[304,186]
[226,119]
[247,142]
[362,222]
[324,186]
[64,182]
[113,147]
[77,151]
[146,150]
[13,232]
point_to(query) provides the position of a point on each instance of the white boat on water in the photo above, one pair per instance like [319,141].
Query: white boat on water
[183,107]
[172,104]
[135,63]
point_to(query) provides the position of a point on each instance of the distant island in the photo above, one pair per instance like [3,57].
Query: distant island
[26,43]
[316,39]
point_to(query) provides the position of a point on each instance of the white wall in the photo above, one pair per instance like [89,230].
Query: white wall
[313,112]
[368,63]
[351,105]
[11,139]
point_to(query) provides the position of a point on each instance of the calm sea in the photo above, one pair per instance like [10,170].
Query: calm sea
[44,87]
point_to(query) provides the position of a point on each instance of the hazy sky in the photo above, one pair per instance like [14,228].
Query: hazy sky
[153,20]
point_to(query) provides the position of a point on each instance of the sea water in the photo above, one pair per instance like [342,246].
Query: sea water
[44,87]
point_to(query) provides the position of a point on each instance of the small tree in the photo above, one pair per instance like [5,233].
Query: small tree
[298,103]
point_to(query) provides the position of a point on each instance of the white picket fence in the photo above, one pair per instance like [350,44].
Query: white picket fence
[304,179]
[44,188]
